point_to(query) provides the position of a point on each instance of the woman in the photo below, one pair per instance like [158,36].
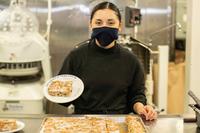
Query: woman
[113,76]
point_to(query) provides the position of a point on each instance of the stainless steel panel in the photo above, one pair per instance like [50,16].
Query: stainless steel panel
[157,14]
[70,26]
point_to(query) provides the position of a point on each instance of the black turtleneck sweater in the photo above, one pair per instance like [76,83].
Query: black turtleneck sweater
[113,79]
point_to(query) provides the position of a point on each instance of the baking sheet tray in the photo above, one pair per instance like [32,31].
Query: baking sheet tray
[120,119]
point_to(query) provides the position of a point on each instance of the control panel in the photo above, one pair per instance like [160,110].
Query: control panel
[133,16]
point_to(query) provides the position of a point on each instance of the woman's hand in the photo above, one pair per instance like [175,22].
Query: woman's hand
[146,110]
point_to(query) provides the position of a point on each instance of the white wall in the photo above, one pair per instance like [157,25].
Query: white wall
[192,50]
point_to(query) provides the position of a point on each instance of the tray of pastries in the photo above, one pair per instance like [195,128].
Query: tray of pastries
[94,124]
[60,88]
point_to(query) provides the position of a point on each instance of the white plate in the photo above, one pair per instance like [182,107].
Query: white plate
[77,88]
[20,126]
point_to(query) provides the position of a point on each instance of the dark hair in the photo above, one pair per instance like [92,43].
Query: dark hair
[106,5]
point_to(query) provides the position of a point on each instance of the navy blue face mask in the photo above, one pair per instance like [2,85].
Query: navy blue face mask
[105,35]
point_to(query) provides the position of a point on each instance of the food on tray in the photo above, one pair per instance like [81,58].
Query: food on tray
[98,125]
[90,124]
[60,88]
[7,125]
[134,125]
[79,125]
[68,125]
[112,126]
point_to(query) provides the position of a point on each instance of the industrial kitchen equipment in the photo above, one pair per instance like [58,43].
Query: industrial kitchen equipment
[24,61]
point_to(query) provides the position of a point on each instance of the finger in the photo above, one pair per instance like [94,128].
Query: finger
[142,112]
[149,111]
[153,116]
[146,115]
[150,115]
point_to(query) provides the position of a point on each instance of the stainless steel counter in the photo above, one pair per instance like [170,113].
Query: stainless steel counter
[191,128]
[164,124]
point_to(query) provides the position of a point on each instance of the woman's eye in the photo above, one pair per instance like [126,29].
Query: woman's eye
[111,23]
[98,23]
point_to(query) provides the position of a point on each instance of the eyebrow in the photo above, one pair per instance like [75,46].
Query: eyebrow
[98,20]
[111,19]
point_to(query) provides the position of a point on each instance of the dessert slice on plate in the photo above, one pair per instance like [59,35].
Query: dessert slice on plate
[7,125]
[60,88]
